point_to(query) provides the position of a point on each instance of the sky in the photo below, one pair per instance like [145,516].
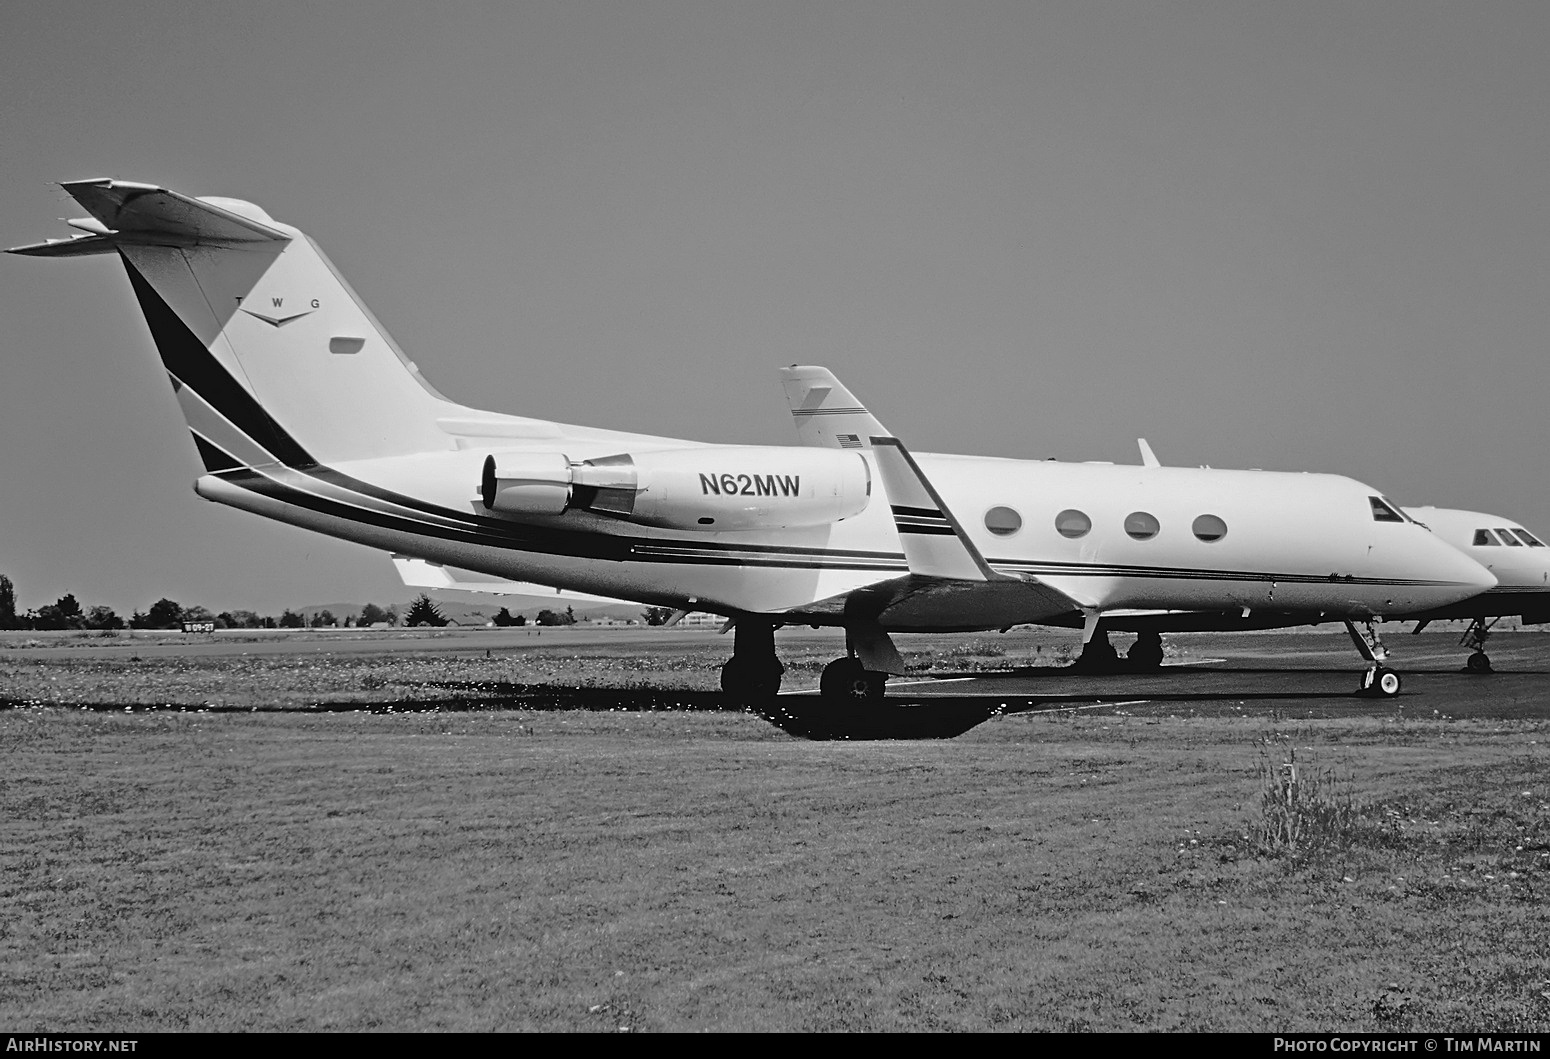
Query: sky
[1310,236]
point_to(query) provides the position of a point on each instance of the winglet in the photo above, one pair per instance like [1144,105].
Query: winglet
[827,415]
[935,544]
[1148,457]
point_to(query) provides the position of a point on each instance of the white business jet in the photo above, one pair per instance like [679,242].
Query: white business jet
[828,415]
[1518,560]
[303,410]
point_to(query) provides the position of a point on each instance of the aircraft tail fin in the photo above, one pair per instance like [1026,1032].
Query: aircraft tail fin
[826,414]
[273,357]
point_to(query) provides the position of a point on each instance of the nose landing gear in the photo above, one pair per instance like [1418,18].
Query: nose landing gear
[1379,681]
[1475,636]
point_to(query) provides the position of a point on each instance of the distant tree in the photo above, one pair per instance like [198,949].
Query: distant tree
[196,613]
[371,614]
[164,614]
[292,620]
[504,618]
[63,613]
[423,612]
[101,617]
[7,604]
[519,620]
[656,615]
[323,619]
[239,619]
[549,617]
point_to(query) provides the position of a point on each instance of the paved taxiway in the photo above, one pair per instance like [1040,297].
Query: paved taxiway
[1298,673]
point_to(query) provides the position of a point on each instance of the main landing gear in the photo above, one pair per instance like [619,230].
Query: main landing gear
[1146,652]
[752,675]
[1099,655]
[1475,636]
[862,675]
[846,680]
[1379,681]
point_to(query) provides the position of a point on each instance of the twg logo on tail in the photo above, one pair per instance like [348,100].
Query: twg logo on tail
[273,309]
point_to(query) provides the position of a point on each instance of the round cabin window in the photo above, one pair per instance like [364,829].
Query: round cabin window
[1141,525]
[1209,528]
[1003,521]
[1072,523]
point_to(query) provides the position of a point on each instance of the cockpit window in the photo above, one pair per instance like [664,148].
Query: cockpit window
[1484,537]
[1507,537]
[1382,512]
[1528,538]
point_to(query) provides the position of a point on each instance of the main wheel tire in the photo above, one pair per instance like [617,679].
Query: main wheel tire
[1386,683]
[1145,655]
[749,681]
[847,680]
[1479,662]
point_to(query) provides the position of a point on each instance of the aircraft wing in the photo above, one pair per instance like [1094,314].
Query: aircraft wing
[123,211]
[936,604]
[826,414]
[949,584]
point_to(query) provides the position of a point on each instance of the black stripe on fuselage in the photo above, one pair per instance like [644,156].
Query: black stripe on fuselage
[535,539]
[539,540]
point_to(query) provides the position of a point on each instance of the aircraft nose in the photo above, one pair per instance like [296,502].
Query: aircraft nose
[1453,566]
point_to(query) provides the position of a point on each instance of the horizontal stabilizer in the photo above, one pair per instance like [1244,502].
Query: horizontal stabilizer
[418,573]
[70,246]
[826,414]
[145,215]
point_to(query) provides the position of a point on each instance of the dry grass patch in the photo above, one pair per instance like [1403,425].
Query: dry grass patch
[521,870]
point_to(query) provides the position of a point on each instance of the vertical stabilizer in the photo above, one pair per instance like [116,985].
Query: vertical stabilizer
[272,355]
[827,415]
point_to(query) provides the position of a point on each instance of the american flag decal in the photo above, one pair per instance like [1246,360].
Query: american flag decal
[849,441]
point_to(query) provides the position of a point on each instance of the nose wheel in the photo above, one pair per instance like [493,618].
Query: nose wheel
[1379,681]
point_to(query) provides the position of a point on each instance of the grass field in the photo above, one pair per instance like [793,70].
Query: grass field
[684,870]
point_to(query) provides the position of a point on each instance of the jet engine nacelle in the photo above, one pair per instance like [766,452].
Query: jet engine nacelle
[707,489]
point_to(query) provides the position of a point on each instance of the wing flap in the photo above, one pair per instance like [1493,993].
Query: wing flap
[913,602]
